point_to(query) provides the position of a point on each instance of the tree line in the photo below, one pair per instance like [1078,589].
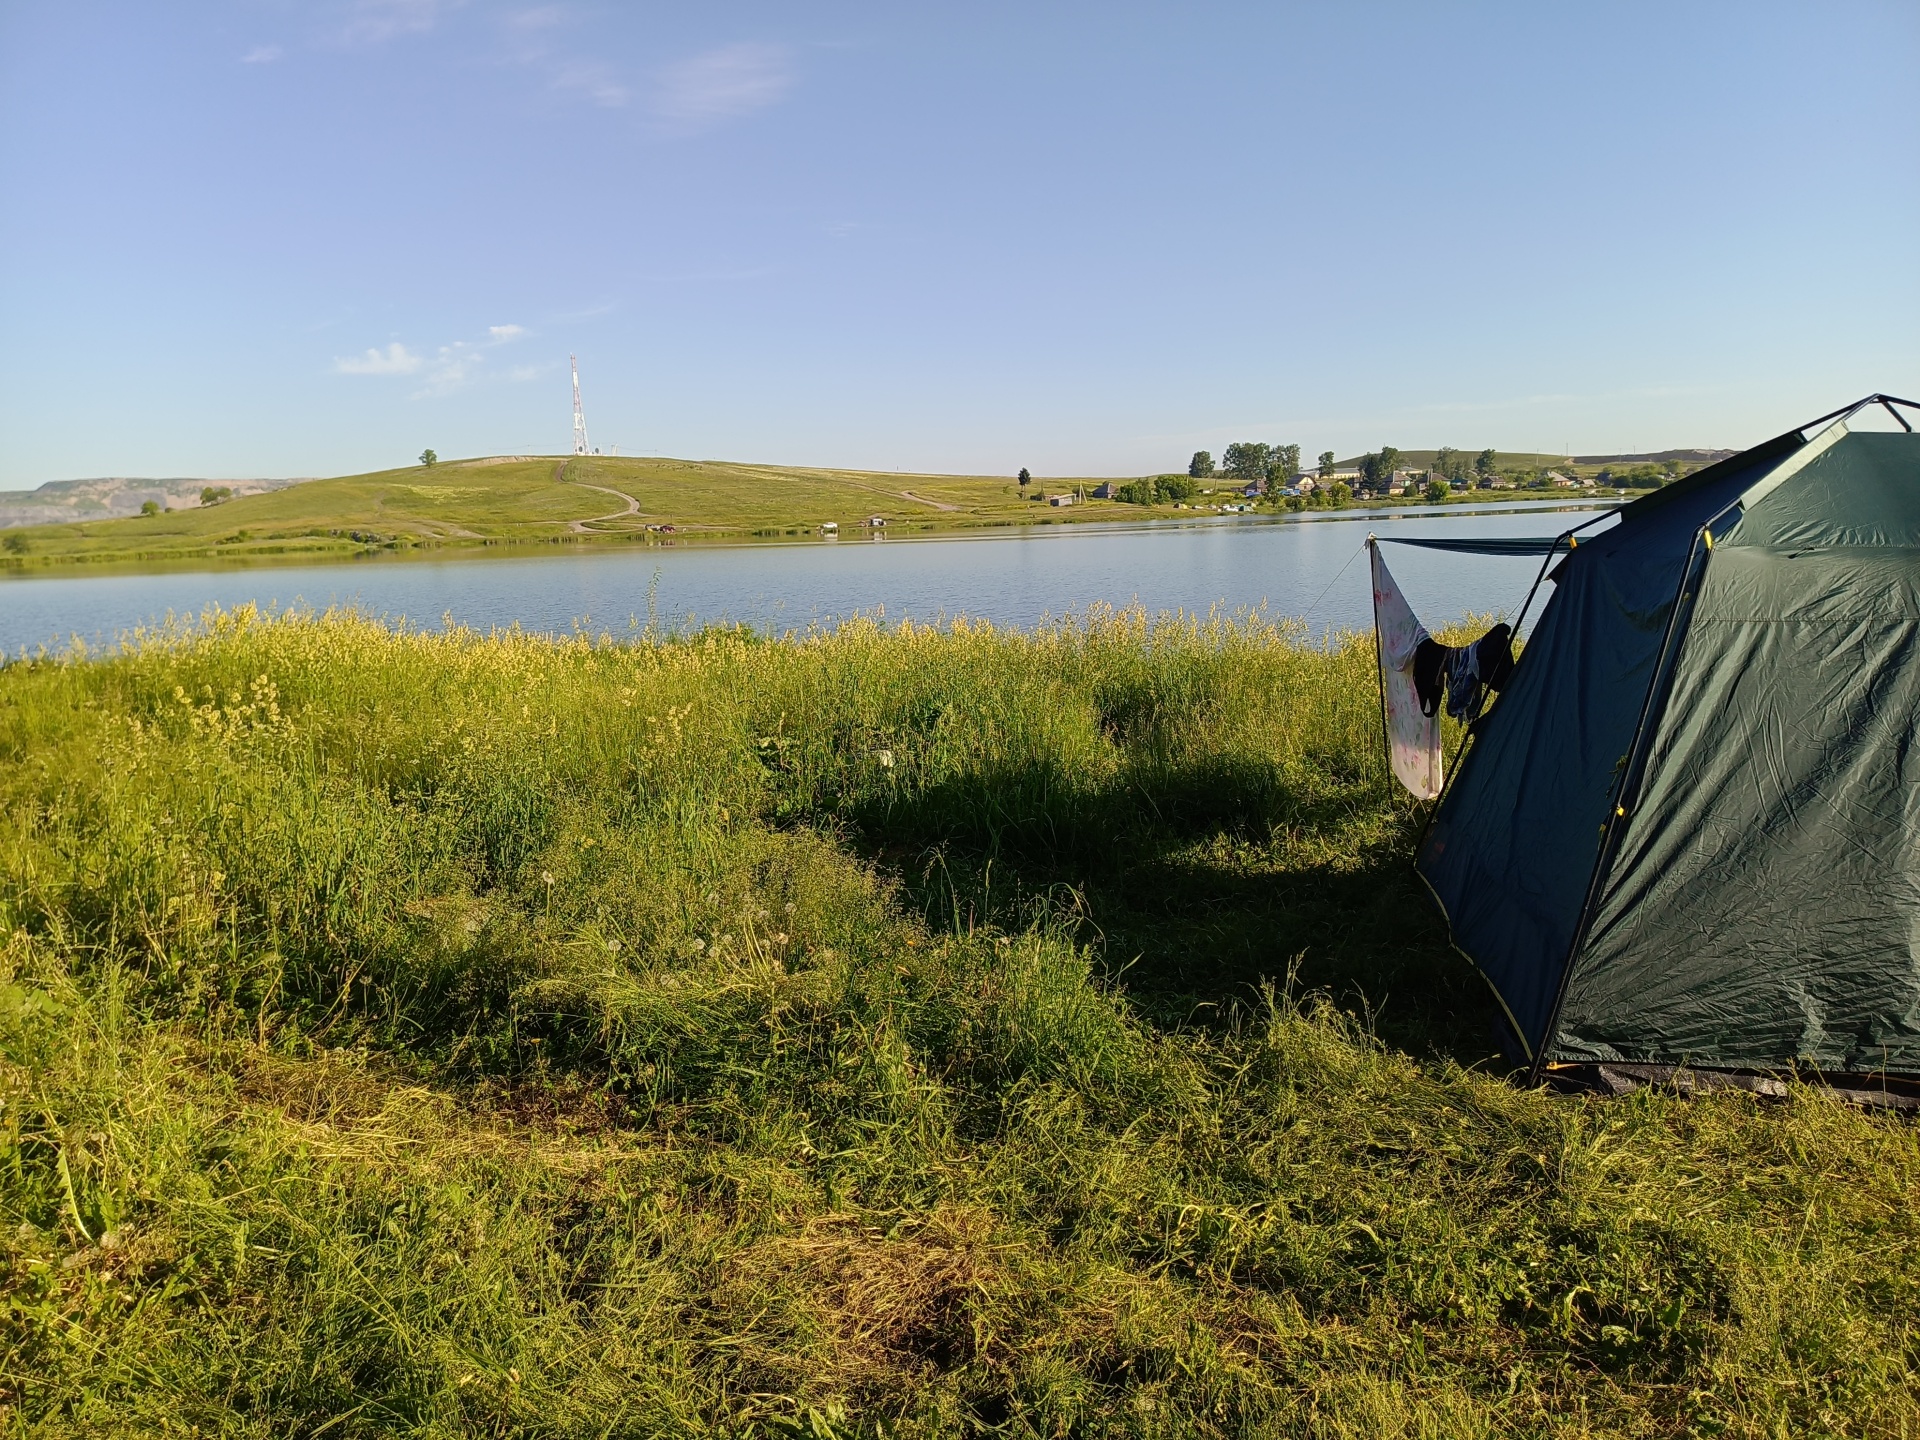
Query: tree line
[1248,461]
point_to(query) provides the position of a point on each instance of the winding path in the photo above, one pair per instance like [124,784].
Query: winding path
[579,527]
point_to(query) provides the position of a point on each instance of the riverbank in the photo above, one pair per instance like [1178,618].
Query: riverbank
[522,505]
[908,1032]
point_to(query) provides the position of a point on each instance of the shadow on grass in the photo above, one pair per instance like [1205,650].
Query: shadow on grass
[1200,885]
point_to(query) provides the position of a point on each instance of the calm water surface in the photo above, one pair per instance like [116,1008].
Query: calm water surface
[1309,567]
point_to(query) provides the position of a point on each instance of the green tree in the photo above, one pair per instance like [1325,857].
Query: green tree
[1483,464]
[1326,464]
[427,457]
[1169,488]
[1338,493]
[1246,460]
[150,507]
[214,494]
[1389,462]
[1283,464]
[1438,489]
[16,543]
[1452,465]
[1025,478]
[1201,466]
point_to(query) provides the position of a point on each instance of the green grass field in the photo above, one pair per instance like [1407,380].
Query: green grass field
[887,1033]
[596,500]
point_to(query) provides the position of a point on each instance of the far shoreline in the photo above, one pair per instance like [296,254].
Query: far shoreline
[98,565]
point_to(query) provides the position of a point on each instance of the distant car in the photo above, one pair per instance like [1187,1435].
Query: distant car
[876,522]
[830,528]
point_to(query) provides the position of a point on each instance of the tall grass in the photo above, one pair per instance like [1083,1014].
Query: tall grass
[904,1032]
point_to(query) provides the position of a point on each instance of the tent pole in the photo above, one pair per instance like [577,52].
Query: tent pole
[1616,809]
[1534,589]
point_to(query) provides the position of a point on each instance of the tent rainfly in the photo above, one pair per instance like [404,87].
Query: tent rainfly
[1688,833]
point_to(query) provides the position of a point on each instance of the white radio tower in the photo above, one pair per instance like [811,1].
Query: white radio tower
[579,415]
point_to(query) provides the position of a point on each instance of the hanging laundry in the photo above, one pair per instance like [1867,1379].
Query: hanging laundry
[1460,676]
[1430,675]
[1413,732]
[1474,669]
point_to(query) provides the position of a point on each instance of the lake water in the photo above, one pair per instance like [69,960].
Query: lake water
[1308,566]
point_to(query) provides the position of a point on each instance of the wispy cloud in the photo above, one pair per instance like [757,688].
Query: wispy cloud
[396,359]
[374,22]
[532,39]
[451,367]
[262,55]
[723,84]
[592,79]
[537,17]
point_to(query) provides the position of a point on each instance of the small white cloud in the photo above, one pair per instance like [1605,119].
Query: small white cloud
[503,333]
[722,84]
[373,22]
[520,374]
[262,55]
[396,359]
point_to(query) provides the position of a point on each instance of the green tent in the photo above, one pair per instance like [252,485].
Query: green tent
[1688,833]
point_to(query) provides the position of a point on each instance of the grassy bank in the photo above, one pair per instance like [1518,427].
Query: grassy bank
[890,1033]
[498,504]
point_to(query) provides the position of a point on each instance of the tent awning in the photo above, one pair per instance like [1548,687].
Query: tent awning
[1541,545]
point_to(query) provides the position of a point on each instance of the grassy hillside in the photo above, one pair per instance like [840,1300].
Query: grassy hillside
[889,1034]
[586,501]
[589,500]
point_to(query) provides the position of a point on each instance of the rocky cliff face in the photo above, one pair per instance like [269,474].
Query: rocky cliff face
[59,501]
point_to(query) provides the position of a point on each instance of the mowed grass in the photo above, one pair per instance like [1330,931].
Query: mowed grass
[891,1032]
[552,500]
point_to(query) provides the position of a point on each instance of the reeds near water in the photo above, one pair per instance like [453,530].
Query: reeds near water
[892,1032]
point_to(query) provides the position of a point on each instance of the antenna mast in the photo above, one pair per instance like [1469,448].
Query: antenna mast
[579,415]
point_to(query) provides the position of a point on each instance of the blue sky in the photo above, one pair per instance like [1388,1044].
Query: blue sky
[274,238]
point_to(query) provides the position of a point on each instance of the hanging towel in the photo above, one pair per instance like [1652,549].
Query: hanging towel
[1413,739]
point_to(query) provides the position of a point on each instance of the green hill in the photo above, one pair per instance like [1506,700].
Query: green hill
[543,499]
[585,500]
